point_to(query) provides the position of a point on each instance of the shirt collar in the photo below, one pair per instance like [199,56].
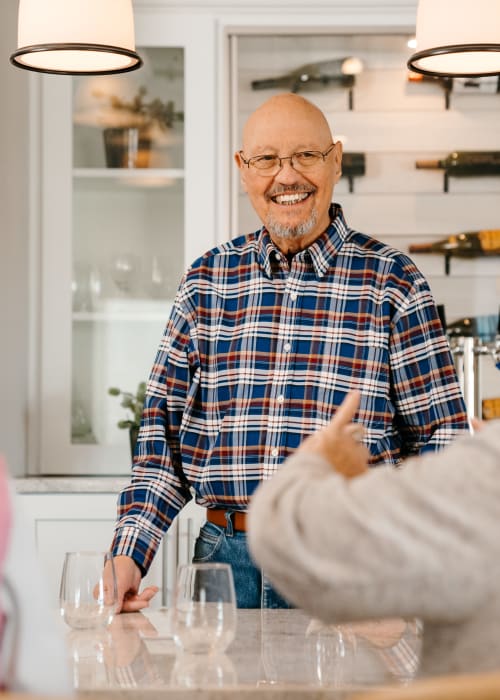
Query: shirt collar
[322,251]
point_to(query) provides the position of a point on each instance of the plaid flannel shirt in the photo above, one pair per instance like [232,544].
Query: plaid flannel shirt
[258,353]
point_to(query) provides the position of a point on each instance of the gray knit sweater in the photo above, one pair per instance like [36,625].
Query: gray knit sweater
[419,541]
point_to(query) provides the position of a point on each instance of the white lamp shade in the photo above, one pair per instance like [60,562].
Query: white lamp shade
[76,36]
[457,38]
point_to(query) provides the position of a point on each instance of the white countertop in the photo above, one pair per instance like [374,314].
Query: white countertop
[276,654]
[71,484]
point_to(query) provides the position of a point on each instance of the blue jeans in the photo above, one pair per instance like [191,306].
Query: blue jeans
[228,546]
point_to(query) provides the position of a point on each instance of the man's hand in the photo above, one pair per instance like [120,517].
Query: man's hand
[340,442]
[128,578]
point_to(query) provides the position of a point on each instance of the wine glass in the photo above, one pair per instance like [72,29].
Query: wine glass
[86,286]
[86,600]
[196,671]
[124,269]
[160,283]
[204,615]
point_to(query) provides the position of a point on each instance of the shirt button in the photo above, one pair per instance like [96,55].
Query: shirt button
[280,398]
[287,347]
[293,296]
[275,452]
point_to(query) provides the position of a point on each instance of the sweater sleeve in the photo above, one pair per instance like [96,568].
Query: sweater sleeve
[405,542]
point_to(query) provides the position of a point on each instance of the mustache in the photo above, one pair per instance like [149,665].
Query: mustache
[290,189]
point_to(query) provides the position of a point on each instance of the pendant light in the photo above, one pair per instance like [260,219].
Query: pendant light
[76,37]
[457,38]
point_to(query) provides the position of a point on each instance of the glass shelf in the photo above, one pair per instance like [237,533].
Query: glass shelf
[129,173]
[130,310]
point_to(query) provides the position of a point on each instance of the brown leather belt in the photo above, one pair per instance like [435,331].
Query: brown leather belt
[217,516]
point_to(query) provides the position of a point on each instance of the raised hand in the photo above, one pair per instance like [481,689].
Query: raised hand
[340,442]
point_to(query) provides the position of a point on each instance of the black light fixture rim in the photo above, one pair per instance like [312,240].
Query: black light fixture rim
[104,48]
[453,48]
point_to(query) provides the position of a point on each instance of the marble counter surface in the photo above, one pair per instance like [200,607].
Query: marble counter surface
[71,484]
[276,654]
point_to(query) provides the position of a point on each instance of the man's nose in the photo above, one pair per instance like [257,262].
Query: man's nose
[287,173]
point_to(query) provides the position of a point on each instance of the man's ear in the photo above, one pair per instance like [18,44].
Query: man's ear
[241,167]
[238,160]
[337,154]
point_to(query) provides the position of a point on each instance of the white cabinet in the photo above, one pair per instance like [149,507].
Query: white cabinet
[68,522]
[117,235]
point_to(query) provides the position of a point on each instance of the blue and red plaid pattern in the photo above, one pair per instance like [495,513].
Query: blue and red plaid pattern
[258,353]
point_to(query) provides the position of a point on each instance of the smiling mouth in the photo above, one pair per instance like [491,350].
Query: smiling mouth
[291,198]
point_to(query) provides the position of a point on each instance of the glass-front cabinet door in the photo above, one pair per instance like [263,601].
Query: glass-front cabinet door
[127,204]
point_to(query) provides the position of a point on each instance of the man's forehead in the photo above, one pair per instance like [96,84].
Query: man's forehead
[301,128]
[275,146]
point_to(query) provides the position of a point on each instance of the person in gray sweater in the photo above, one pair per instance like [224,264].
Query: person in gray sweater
[422,540]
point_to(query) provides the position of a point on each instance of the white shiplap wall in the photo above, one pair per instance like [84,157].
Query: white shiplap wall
[395,123]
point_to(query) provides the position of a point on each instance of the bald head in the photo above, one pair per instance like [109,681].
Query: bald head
[285,111]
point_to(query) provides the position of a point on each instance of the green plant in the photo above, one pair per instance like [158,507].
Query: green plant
[133,403]
[138,112]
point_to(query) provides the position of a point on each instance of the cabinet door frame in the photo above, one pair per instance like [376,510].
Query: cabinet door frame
[50,448]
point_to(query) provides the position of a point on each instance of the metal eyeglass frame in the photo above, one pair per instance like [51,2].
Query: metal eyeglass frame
[280,159]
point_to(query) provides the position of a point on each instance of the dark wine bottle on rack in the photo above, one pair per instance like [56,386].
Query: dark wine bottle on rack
[472,244]
[464,164]
[445,83]
[466,86]
[353,165]
[337,71]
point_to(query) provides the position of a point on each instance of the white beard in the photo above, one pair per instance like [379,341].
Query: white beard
[280,230]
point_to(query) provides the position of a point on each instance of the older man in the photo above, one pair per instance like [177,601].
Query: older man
[267,335]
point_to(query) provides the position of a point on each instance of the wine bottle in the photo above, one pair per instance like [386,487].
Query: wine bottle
[466,86]
[464,164]
[472,244]
[491,408]
[353,165]
[444,82]
[483,327]
[484,85]
[340,71]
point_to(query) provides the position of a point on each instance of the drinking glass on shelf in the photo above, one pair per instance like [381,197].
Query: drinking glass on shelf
[85,600]
[160,284]
[124,270]
[204,615]
[86,286]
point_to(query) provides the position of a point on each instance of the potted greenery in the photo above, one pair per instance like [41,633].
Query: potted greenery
[134,404]
[128,141]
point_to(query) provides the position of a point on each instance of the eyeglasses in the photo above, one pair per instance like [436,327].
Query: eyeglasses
[268,164]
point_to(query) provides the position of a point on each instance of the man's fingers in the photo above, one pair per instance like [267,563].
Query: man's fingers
[133,602]
[148,593]
[133,605]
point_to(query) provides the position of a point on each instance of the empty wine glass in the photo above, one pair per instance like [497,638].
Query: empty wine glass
[86,600]
[160,283]
[196,671]
[124,270]
[204,616]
